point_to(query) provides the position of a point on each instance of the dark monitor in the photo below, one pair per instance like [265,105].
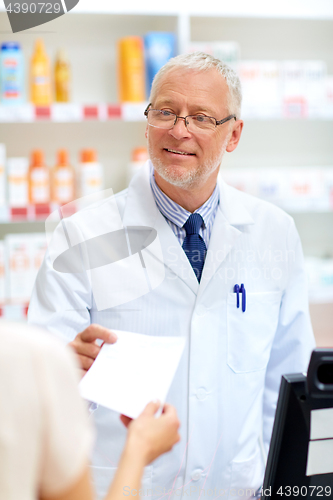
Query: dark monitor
[300,459]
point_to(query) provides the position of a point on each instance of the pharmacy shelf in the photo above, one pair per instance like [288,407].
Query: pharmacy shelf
[128,112]
[39,213]
[14,312]
[31,213]
[92,48]
[71,113]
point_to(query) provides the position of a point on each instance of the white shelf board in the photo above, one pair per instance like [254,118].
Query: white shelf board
[72,112]
[14,312]
[129,111]
[284,9]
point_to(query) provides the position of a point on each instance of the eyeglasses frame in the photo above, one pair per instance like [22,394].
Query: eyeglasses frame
[218,122]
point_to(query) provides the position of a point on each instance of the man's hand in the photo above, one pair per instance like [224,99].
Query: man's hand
[86,347]
[148,436]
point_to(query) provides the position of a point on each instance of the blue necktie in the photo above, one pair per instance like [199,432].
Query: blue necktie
[194,246]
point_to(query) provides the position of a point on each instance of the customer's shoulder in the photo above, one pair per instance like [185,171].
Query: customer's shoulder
[20,340]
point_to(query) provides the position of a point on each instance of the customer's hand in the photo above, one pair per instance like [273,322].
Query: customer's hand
[86,347]
[149,436]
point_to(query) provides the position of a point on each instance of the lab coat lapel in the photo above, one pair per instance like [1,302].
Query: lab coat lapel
[141,210]
[230,218]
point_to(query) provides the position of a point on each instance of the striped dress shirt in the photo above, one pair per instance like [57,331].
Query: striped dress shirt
[176,216]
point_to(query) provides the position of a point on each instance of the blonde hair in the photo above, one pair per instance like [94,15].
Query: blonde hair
[202,62]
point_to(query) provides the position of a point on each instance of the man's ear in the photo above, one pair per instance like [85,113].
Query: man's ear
[146,132]
[235,136]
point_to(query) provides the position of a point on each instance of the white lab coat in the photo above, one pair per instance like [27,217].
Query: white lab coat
[226,386]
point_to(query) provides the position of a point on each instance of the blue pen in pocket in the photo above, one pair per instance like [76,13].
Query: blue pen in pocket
[240,289]
[236,290]
[243,292]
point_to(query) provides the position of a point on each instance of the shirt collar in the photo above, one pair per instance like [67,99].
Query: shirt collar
[177,214]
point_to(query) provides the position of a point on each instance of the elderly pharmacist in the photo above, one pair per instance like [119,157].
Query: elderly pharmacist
[213,237]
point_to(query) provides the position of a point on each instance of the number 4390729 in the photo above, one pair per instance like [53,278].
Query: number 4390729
[32,8]
[304,491]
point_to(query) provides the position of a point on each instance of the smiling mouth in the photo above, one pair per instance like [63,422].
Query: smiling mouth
[179,152]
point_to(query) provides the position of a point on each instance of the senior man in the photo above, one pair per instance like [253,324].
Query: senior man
[234,286]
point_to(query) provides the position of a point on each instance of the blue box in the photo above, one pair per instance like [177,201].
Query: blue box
[159,48]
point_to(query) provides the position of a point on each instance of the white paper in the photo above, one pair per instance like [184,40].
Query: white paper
[321,423]
[129,374]
[320,457]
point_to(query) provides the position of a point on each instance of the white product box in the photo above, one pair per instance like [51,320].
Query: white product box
[327,173]
[294,189]
[269,90]
[91,178]
[273,185]
[250,74]
[2,174]
[261,88]
[295,104]
[327,111]
[245,180]
[306,190]
[18,267]
[315,73]
[228,52]
[17,172]
[38,247]
[2,273]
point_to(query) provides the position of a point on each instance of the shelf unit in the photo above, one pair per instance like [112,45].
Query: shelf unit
[73,113]
[289,29]
[133,112]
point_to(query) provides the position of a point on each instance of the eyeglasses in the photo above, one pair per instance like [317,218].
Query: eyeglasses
[160,118]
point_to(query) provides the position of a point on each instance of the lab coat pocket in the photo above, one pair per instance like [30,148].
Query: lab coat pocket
[103,477]
[251,333]
[246,476]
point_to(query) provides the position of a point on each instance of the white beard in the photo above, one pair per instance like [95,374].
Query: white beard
[192,177]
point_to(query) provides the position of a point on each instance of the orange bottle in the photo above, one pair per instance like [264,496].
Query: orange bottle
[91,173]
[38,179]
[139,156]
[131,69]
[40,77]
[63,180]
[62,77]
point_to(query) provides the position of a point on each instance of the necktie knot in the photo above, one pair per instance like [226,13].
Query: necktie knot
[193,224]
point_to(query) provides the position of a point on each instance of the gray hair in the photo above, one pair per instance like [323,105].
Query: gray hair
[203,62]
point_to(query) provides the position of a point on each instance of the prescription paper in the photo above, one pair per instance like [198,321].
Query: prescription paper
[129,374]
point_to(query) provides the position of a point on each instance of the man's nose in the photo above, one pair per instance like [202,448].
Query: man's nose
[179,130]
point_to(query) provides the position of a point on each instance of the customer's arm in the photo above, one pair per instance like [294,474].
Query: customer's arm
[148,437]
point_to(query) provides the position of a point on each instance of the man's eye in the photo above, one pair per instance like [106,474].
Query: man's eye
[165,113]
[200,118]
